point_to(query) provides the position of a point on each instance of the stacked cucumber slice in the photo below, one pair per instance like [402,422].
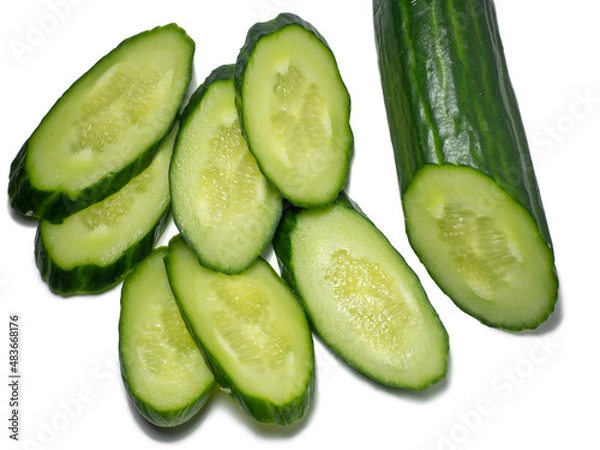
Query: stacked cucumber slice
[260,155]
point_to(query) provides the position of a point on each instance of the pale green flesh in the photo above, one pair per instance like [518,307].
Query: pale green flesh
[223,204]
[250,323]
[99,234]
[296,115]
[162,364]
[481,246]
[112,115]
[363,299]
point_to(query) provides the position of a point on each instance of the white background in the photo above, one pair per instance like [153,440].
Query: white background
[531,390]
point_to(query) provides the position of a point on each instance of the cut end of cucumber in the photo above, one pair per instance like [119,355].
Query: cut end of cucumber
[481,246]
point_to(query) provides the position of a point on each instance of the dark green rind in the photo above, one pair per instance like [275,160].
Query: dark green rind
[448,95]
[162,418]
[258,409]
[222,73]
[255,33]
[89,278]
[55,206]
[283,248]
[168,419]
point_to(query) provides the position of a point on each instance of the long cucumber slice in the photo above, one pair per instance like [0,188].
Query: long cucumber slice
[295,110]
[252,331]
[162,368]
[360,295]
[471,200]
[222,204]
[106,128]
[93,249]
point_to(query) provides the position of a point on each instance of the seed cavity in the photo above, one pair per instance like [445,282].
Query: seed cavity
[122,99]
[244,326]
[368,297]
[230,179]
[300,120]
[166,342]
[483,254]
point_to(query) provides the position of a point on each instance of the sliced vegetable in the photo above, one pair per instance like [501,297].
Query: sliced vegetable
[361,296]
[93,249]
[471,201]
[106,128]
[222,203]
[162,368]
[295,110]
[252,331]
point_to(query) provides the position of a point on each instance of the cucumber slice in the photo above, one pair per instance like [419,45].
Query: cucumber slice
[93,249]
[360,295]
[106,127]
[162,368]
[481,246]
[295,110]
[253,332]
[222,204]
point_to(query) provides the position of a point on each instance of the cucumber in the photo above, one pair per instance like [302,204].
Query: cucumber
[471,201]
[295,110]
[254,334]
[106,128]
[360,295]
[222,204]
[93,249]
[163,370]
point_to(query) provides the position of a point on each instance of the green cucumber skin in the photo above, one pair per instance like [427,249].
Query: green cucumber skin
[258,409]
[168,419]
[448,95]
[222,73]
[255,33]
[93,279]
[55,206]
[284,252]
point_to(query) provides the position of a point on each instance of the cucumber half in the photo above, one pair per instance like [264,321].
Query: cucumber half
[360,295]
[222,204]
[471,199]
[93,249]
[162,368]
[295,110]
[481,246]
[106,127]
[253,333]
